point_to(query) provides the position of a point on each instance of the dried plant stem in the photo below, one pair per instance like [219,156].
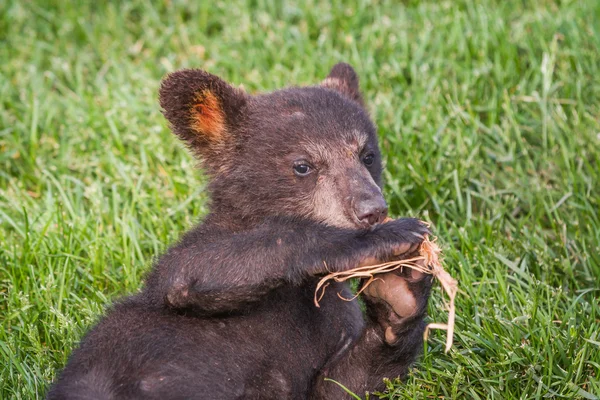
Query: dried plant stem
[429,256]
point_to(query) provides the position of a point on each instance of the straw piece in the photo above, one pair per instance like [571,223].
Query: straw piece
[429,255]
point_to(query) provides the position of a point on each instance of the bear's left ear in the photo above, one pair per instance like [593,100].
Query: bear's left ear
[343,79]
[203,110]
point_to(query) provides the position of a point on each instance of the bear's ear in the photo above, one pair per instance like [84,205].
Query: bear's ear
[343,79]
[203,110]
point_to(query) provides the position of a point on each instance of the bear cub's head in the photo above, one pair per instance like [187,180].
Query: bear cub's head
[308,152]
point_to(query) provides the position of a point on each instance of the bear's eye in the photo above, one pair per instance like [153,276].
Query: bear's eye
[302,169]
[369,159]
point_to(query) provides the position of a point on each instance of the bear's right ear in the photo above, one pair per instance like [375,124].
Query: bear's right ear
[203,110]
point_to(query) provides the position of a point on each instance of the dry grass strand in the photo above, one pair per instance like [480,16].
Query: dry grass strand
[429,256]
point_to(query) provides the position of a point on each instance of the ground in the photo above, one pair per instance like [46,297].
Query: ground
[489,115]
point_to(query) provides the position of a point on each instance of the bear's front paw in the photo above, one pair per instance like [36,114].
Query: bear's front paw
[392,240]
[397,301]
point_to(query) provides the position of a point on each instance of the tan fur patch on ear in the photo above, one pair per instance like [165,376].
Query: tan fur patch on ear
[333,83]
[207,117]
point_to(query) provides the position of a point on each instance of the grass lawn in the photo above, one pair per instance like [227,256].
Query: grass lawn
[489,115]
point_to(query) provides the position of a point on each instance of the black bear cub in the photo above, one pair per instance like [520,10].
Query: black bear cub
[228,312]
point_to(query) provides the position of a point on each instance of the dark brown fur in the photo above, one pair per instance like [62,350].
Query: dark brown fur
[228,313]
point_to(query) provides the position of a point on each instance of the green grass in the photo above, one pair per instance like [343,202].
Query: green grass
[489,114]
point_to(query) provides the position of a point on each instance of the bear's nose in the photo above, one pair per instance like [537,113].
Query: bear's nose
[371,211]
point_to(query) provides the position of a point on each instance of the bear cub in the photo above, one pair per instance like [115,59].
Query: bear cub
[228,312]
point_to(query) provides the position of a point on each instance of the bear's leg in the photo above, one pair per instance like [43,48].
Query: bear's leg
[396,306]
[224,272]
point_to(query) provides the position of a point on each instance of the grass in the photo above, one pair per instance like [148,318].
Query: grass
[489,114]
